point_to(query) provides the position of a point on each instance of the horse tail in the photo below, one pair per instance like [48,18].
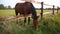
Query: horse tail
[16,11]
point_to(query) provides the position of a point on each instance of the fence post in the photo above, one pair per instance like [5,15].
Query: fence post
[41,10]
[28,20]
[24,20]
[57,9]
[53,9]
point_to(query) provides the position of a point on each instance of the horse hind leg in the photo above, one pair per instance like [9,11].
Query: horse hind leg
[24,21]
[16,13]
[16,16]
[28,20]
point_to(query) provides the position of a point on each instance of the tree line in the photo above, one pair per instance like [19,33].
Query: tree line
[5,7]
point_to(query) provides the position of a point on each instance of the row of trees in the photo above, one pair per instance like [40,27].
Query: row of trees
[4,7]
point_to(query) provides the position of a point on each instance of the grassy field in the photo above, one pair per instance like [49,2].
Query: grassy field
[7,13]
[49,25]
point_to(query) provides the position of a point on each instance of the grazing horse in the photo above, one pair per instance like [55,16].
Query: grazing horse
[25,9]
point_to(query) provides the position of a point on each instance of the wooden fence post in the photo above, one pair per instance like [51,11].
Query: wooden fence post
[41,10]
[53,9]
[57,9]
[28,20]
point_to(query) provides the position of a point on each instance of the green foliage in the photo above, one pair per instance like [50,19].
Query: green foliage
[9,7]
[2,6]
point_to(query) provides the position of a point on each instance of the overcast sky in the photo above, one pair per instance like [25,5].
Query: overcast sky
[13,2]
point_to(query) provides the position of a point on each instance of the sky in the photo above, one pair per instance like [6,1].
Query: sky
[12,3]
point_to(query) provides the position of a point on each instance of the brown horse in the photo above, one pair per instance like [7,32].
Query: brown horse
[25,9]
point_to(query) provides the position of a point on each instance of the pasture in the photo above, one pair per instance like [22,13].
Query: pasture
[49,25]
[7,13]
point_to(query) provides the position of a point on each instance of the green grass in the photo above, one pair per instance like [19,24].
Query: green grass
[49,25]
[7,13]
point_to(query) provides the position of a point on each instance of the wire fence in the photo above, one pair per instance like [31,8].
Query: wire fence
[42,7]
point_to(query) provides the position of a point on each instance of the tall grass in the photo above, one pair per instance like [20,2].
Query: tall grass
[49,25]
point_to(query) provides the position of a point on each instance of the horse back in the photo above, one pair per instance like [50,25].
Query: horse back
[24,8]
